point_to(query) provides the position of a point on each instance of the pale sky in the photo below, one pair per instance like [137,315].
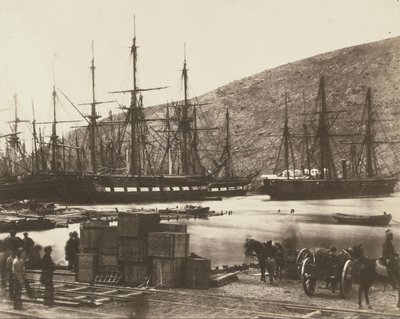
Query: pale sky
[226,40]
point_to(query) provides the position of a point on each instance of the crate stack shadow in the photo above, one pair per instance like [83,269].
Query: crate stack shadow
[143,251]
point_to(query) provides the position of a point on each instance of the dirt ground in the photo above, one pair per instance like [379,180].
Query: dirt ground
[245,298]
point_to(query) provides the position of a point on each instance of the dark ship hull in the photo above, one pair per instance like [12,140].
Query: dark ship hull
[30,187]
[298,189]
[228,187]
[128,189]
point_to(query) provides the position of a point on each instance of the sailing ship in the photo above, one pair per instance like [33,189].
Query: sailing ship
[324,182]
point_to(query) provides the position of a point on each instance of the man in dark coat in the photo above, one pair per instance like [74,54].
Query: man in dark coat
[69,251]
[46,278]
[13,242]
[27,245]
[389,256]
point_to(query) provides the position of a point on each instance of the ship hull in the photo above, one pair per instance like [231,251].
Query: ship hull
[298,189]
[228,187]
[34,188]
[128,189]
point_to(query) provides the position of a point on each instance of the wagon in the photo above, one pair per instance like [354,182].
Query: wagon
[335,269]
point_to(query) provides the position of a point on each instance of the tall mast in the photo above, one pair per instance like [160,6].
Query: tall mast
[227,146]
[185,119]
[369,139]
[93,119]
[135,116]
[168,148]
[306,136]
[286,137]
[323,135]
[35,139]
[54,136]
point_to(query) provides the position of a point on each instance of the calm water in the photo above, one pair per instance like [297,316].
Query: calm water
[221,238]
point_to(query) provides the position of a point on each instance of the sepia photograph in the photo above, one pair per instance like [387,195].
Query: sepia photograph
[199,159]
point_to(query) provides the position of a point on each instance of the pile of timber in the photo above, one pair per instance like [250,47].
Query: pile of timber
[143,250]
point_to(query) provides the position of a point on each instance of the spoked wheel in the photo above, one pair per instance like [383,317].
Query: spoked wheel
[309,283]
[303,254]
[347,278]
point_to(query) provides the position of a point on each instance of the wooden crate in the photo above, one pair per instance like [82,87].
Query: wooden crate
[109,245]
[132,249]
[135,273]
[87,265]
[168,245]
[91,236]
[168,272]
[173,228]
[137,224]
[197,273]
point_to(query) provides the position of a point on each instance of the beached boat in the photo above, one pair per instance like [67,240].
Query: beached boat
[375,220]
[26,224]
[187,210]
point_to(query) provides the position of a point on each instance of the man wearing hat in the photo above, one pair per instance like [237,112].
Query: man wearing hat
[389,254]
[46,278]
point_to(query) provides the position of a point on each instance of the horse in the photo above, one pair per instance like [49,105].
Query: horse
[269,255]
[369,270]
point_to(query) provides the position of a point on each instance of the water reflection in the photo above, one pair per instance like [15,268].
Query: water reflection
[221,238]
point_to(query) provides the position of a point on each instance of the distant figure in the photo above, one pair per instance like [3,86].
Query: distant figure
[292,211]
[46,278]
[69,251]
[279,210]
[27,245]
[18,275]
[13,242]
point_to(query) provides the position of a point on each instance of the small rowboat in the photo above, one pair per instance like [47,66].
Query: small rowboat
[374,220]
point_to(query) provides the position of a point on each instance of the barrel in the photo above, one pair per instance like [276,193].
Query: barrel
[197,273]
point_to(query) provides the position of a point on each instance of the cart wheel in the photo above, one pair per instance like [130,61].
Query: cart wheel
[347,278]
[309,283]
[303,254]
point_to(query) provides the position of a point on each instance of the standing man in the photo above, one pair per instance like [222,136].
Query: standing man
[75,250]
[69,247]
[46,278]
[27,245]
[389,256]
[13,242]
[18,275]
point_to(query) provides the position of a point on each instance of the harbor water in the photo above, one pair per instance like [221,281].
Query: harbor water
[298,223]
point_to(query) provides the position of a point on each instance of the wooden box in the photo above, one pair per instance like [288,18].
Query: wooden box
[167,272]
[91,236]
[134,273]
[109,240]
[132,249]
[168,245]
[87,265]
[197,273]
[173,228]
[137,224]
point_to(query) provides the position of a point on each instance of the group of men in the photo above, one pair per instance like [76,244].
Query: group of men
[15,254]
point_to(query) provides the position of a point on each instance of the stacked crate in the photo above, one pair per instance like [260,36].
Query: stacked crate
[169,251]
[133,229]
[90,245]
[108,252]
[197,273]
